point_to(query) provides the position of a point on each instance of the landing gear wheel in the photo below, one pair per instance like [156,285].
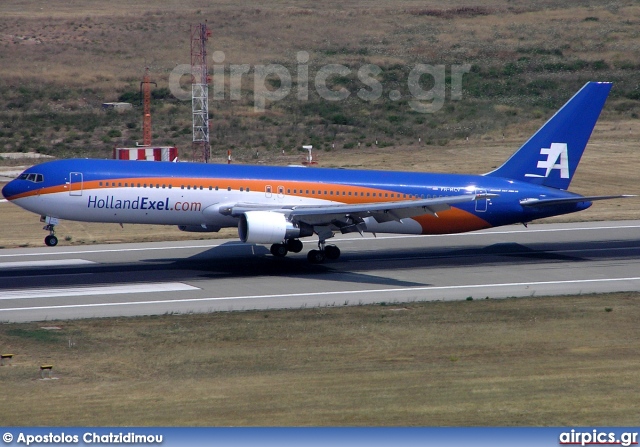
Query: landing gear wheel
[315,257]
[279,250]
[51,241]
[332,252]
[294,245]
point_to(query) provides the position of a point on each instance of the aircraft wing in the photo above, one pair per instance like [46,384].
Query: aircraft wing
[564,201]
[380,211]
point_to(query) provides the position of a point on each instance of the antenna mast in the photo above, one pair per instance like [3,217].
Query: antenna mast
[145,86]
[200,91]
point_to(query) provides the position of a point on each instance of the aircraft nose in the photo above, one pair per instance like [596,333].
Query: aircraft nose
[10,190]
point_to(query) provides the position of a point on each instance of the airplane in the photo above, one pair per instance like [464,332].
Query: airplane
[280,205]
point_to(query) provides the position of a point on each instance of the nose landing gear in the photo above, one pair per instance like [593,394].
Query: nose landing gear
[51,222]
[51,240]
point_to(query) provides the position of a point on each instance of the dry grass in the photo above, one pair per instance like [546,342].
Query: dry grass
[70,59]
[540,361]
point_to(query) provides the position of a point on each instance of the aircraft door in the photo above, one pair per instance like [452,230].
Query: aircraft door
[481,204]
[75,183]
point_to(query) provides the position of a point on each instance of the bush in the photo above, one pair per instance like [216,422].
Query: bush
[161,93]
[132,97]
[599,65]
[340,118]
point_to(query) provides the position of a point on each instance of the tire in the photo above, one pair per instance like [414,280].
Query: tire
[294,245]
[279,250]
[51,241]
[332,252]
[315,257]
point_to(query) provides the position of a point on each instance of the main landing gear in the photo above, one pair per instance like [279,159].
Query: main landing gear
[324,252]
[291,245]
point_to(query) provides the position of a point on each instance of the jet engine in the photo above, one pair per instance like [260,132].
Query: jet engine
[267,227]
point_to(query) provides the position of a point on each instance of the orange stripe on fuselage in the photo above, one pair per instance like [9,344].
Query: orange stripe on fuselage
[454,220]
[336,192]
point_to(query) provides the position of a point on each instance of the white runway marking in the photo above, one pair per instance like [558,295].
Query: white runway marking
[467,288]
[49,263]
[100,290]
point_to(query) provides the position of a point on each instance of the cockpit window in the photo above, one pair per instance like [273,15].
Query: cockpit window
[35,178]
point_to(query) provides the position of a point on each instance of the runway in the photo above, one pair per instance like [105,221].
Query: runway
[223,275]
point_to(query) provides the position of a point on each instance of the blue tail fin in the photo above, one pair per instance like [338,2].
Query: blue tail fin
[550,157]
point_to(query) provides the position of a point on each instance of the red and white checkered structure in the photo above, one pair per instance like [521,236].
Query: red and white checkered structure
[168,153]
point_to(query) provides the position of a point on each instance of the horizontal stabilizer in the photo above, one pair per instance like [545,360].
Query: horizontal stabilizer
[579,199]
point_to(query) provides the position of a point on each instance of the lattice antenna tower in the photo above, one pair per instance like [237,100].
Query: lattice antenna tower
[200,91]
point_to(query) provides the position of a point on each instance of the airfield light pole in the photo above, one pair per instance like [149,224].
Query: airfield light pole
[200,91]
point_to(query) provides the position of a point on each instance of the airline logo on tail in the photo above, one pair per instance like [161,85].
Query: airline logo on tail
[557,151]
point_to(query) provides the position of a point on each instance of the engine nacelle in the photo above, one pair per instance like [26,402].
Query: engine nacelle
[199,228]
[268,227]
